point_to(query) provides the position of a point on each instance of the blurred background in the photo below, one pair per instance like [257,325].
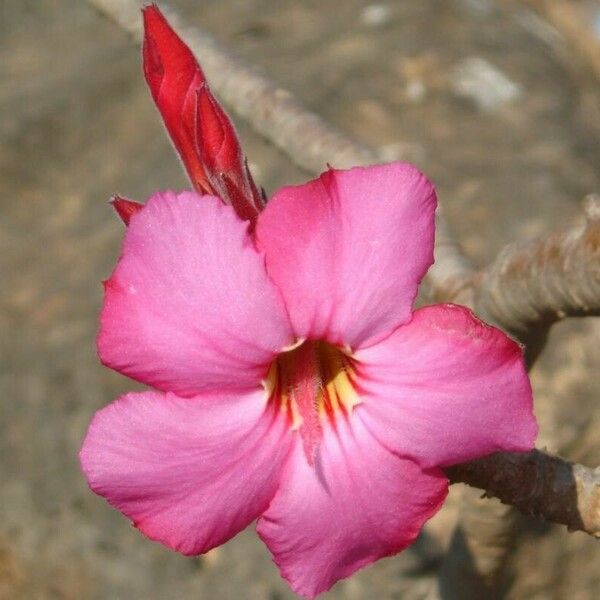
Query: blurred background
[499,103]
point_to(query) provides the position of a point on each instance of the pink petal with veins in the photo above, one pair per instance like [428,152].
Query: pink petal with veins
[189,307]
[189,472]
[446,388]
[349,249]
[356,504]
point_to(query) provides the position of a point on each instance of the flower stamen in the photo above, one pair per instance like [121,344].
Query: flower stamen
[313,381]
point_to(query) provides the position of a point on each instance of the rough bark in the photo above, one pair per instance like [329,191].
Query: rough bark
[538,484]
[537,282]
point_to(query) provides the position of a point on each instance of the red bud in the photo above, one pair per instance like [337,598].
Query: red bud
[216,140]
[221,154]
[173,75]
[201,131]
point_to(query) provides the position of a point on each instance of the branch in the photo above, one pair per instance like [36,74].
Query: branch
[538,484]
[573,21]
[310,142]
[546,279]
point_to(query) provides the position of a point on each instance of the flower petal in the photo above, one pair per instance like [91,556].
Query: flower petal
[358,503]
[447,388]
[349,249]
[190,472]
[189,307]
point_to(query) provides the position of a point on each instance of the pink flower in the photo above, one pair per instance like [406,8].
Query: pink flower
[293,382]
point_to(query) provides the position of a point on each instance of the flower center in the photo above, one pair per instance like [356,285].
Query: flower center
[313,382]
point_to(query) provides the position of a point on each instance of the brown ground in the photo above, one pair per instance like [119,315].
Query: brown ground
[77,124]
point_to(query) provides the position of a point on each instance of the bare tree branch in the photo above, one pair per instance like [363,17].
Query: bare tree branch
[543,280]
[573,21]
[538,484]
[487,531]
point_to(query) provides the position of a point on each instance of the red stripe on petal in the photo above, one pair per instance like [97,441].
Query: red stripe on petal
[313,382]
